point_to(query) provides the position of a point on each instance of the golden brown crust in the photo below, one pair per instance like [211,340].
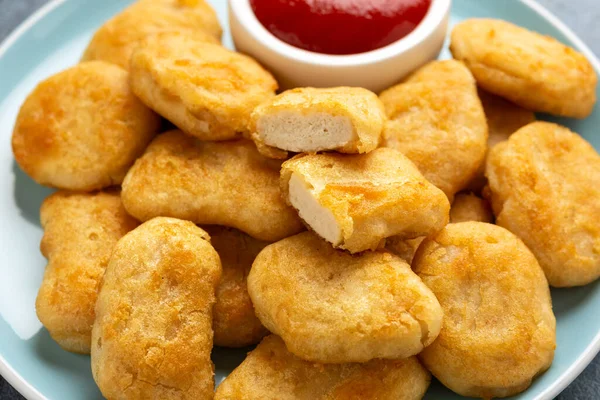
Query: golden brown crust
[469,207]
[152,337]
[82,128]
[221,183]
[116,40]
[504,118]
[439,124]
[204,89]
[545,187]
[499,331]
[234,322]
[534,71]
[362,107]
[80,231]
[332,307]
[371,196]
[270,372]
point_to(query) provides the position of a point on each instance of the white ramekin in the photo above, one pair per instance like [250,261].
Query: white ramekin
[374,70]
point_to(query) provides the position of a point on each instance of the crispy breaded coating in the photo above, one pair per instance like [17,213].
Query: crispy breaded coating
[534,71]
[270,372]
[439,124]
[447,71]
[545,187]
[80,231]
[82,128]
[345,119]
[356,201]
[204,89]
[469,207]
[333,307]
[404,248]
[152,337]
[504,118]
[115,41]
[499,331]
[234,322]
[220,183]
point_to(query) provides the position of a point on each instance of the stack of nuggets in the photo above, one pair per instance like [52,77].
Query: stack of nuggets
[372,179]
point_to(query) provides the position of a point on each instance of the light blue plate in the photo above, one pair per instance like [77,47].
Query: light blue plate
[53,39]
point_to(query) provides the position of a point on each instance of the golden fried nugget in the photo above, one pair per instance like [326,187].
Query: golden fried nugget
[80,231]
[469,207]
[152,337]
[545,188]
[345,119]
[499,331]
[447,71]
[204,89]
[271,372]
[234,322]
[220,183]
[116,39]
[356,201]
[403,248]
[439,124]
[534,71]
[82,128]
[333,307]
[504,118]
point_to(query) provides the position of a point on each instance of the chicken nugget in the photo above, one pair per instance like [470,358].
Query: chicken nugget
[499,331]
[534,71]
[504,118]
[333,307]
[234,322]
[356,201]
[115,41]
[545,188]
[80,231]
[271,372]
[152,337]
[82,128]
[403,248]
[213,183]
[345,119]
[439,124]
[204,89]
[469,207]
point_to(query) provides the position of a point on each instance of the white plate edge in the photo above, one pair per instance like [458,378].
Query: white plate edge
[30,393]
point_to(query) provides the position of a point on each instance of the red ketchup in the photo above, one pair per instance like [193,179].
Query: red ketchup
[340,26]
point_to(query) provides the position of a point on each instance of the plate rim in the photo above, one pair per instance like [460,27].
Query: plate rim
[573,371]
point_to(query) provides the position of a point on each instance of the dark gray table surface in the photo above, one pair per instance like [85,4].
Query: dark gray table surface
[583,16]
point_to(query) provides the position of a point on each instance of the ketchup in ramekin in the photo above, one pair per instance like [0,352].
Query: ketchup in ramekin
[340,26]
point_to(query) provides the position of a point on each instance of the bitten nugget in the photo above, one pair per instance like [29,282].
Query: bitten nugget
[80,231]
[153,336]
[270,372]
[345,119]
[504,118]
[469,207]
[545,188]
[82,128]
[499,331]
[220,183]
[333,307]
[115,41]
[534,71]
[234,322]
[356,201]
[439,124]
[204,89]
